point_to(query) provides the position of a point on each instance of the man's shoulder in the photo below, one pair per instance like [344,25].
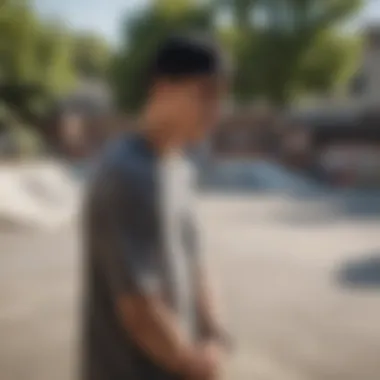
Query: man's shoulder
[124,166]
[122,149]
[122,155]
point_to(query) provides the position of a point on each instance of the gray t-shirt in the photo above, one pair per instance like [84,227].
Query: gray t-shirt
[140,239]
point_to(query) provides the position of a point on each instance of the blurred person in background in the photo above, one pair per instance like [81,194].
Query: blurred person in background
[148,310]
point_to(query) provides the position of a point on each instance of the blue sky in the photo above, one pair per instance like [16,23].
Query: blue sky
[104,16]
[101,16]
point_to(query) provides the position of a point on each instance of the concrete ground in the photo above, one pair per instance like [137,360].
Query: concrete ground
[292,279]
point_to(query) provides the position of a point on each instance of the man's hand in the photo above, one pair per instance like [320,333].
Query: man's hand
[214,353]
[207,363]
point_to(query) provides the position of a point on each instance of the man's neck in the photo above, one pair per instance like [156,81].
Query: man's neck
[164,136]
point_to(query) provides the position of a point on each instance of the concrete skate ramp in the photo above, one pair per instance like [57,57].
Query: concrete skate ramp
[37,195]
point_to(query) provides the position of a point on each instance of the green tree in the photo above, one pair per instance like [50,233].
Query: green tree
[54,51]
[328,64]
[40,61]
[91,55]
[18,34]
[276,36]
[35,60]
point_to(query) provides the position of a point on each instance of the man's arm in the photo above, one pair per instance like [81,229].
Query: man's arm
[206,306]
[209,318]
[132,267]
[157,332]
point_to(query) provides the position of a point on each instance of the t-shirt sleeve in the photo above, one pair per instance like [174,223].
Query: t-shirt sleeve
[128,234]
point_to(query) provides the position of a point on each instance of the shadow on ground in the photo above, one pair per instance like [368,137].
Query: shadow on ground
[361,273]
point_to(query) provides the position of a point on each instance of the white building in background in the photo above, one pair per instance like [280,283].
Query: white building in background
[81,117]
[90,97]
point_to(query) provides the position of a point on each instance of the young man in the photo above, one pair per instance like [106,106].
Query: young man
[148,314]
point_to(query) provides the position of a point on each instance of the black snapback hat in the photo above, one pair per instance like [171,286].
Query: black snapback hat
[185,56]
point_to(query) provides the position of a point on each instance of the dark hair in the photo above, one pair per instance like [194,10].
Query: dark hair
[186,56]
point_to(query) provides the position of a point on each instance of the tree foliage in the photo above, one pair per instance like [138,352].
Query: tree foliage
[91,55]
[40,61]
[288,46]
[281,48]
[328,64]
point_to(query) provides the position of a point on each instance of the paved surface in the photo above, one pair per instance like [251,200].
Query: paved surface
[280,269]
